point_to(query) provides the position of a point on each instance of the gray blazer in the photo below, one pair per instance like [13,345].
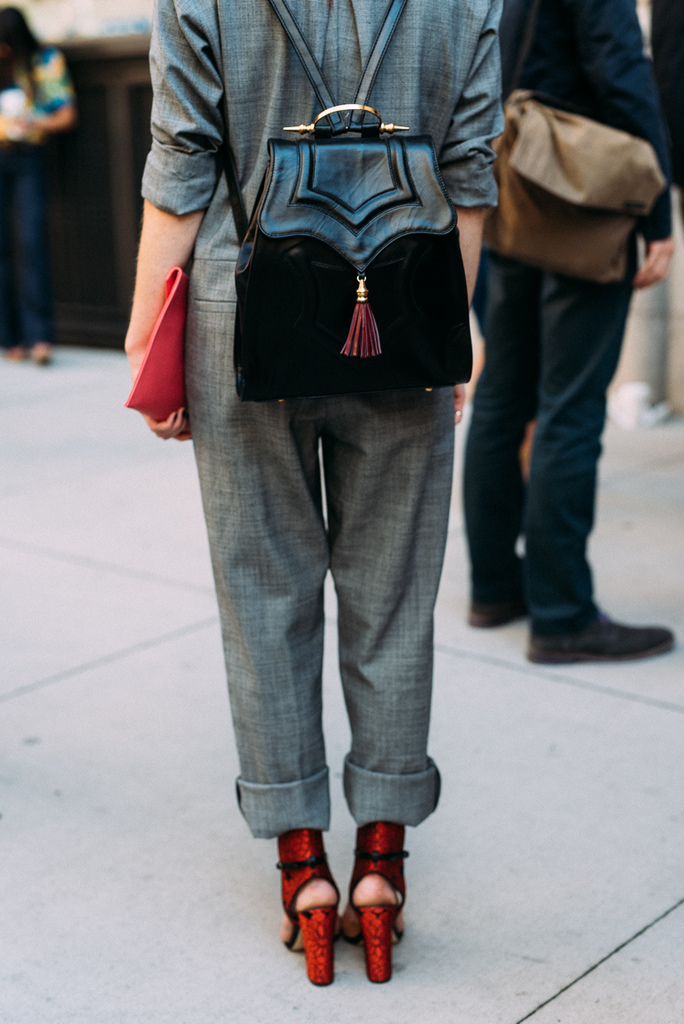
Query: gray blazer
[228,61]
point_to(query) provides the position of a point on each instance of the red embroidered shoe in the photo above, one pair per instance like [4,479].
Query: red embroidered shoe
[379,851]
[302,858]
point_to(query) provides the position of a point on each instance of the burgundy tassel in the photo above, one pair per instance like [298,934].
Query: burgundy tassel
[363,339]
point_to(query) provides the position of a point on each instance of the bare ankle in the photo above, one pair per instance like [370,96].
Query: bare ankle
[316,893]
[374,891]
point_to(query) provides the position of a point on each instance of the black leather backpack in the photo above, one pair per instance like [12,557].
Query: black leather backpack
[350,277]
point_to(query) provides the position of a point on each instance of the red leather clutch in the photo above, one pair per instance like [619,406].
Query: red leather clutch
[159,387]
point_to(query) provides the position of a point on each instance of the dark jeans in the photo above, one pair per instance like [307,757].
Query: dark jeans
[25,297]
[552,346]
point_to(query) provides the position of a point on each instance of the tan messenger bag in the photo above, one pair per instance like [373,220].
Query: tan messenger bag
[570,190]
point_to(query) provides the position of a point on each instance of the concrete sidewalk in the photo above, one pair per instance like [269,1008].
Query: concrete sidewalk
[548,886]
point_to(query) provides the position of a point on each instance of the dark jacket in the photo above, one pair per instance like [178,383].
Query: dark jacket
[590,53]
[668,58]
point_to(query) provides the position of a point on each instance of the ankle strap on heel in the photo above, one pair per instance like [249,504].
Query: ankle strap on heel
[302,858]
[379,850]
[310,862]
[377,855]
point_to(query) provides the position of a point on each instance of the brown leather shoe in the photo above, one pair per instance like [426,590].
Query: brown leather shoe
[601,640]
[486,616]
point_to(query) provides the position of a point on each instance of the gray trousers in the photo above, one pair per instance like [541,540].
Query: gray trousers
[387,477]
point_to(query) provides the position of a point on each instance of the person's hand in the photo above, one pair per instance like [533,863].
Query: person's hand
[656,265]
[17,129]
[459,401]
[177,426]
[135,354]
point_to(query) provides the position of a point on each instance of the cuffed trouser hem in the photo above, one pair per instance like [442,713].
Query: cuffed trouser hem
[574,625]
[404,799]
[270,810]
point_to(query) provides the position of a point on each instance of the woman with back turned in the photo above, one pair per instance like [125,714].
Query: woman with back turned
[387,457]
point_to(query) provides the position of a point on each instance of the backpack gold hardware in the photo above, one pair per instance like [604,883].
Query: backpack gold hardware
[306,129]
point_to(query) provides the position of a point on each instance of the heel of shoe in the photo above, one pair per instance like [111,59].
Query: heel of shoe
[376,927]
[318,934]
[379,852]
[303,858]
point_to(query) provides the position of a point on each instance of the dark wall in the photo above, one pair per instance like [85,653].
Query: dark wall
[95,204]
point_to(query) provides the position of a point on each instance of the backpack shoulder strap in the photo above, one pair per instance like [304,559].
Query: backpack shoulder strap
[235,197]
[313,70]
[309,62]
[379,49]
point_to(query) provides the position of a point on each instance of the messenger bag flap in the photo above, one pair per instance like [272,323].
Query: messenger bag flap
[583,161]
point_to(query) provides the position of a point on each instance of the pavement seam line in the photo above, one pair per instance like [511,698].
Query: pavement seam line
[618,949]
[581,684]
[108,659]
[94,563]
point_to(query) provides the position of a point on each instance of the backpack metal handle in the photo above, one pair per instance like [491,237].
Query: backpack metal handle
[305,129]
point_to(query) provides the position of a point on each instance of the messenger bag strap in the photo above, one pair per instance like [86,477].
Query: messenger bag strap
[526,43]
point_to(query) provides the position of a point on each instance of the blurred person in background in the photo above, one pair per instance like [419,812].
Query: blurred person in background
[553,344]
[36,101]
[667,41]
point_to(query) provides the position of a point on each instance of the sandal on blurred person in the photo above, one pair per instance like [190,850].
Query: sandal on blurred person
[41,353]
[15,354]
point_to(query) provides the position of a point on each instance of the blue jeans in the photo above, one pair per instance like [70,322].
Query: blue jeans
[552,346]
[25,294]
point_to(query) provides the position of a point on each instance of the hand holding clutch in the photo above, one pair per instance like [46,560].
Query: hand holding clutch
[159,386]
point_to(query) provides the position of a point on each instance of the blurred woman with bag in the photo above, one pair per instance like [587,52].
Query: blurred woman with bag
[36,101]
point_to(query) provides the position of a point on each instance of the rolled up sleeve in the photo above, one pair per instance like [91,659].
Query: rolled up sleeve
[187,123]
[467,156]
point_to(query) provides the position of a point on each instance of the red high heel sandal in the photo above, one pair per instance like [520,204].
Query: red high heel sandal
[379,851]
[302,858]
